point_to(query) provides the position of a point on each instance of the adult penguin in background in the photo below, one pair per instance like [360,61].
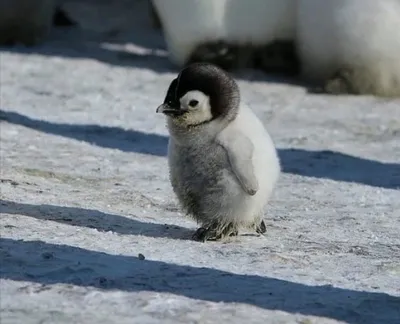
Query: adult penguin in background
[230,33]
[350,46]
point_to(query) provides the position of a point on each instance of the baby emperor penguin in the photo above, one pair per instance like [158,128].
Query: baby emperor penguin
[351,46]
[223,163]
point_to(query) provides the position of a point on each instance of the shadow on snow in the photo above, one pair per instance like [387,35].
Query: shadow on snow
[81,267]
[318,164]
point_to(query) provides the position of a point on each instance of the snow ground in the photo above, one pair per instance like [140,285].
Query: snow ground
[85,196]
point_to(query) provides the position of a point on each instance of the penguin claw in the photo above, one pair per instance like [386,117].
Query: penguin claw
[203,234]
[262,228]
[234,233]
[206,234]
[200,235]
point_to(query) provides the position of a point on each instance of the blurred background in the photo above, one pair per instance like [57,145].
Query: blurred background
[103,30]
[341,47]
[121,29]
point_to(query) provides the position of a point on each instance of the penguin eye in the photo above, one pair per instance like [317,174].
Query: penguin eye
[193,103]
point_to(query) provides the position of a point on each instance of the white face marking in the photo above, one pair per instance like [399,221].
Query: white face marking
[198,105]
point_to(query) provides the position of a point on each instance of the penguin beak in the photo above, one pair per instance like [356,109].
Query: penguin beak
[162,108]
[166,109]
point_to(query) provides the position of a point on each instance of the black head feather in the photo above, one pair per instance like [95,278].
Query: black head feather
[213,81]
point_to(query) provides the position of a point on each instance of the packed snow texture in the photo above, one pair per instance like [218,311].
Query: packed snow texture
[90,228]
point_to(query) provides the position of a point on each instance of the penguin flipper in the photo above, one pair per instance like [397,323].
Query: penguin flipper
[239,149]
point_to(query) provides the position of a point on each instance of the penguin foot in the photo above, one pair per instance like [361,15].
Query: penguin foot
[277,57]
[200,234]
[222,54]
[340,82]
[214,233]
[261,228]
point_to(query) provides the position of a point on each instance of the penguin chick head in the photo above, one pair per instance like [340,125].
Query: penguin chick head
[201,93]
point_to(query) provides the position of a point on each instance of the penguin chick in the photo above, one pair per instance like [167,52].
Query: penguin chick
[223,164]
[349,46]
[226,32]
